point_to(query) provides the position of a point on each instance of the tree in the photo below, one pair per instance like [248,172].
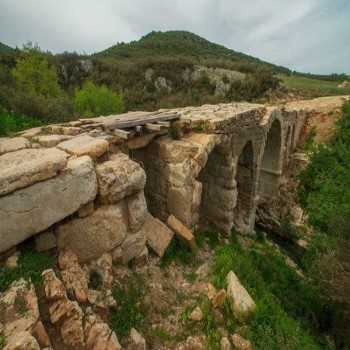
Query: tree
[34,76]
[94,100]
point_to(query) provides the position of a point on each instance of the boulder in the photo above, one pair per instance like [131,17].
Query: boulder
[34,209]
[240,343]
[242,305]
[22,341]
[26,167]
[13,144]
[98,335]
[85,145]
[225,344]
[96,234]
[158,235]
[182,231]
[219,298]
[20,313]
[86,210]
[137,208]
[119,177]
[196,314]
[137,341]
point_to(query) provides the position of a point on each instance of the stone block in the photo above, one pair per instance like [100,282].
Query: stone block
[51,140]
[158,235]
[133,246]
[119,177]
[34,209]
[26,167]
[85,145]
[182,231]
[13,144]
[242,305]
[137,208]
[96,234]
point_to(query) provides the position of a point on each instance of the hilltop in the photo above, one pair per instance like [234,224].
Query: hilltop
[5,48]
[182,44]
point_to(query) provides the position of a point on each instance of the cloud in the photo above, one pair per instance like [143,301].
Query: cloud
[306,35]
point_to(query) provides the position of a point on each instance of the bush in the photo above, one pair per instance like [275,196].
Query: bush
[94,100]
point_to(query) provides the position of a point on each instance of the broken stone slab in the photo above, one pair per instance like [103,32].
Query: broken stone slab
[182,232]
[84,145]
[95,234]
[26,167]
[13,144]
[51,140]
[242,305]
[137,208]
[158,235]
[119,177]
[34,209]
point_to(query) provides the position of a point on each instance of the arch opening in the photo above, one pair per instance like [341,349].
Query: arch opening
[245,189]
[270,171]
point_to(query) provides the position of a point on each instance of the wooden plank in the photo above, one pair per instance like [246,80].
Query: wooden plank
[140,120]
[153,127]
[123,134]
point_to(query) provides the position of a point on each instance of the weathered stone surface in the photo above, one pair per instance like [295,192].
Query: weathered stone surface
[137,208]
[26,167]
[225,344]
[196,314]
[51,140]
[182,231]
[242,305]
[104,267]
[240,343]
[119,177]
[85,145]
[99,336]
[137,341]
[45,241]
[64,313]
[132,246]
[73,276]
[86,210]
[219,298]
[22,341]
[13,144]
[158,235]
[20,299]
[34,209]
[96,234]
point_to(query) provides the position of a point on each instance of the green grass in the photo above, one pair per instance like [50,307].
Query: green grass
[313,87]
[12,123]
[30,266]
[128,313]
[289,314]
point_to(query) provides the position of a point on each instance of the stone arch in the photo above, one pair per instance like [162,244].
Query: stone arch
[244,207]
[270,167]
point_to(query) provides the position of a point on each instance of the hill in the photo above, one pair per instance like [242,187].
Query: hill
[5,49]
[182,44]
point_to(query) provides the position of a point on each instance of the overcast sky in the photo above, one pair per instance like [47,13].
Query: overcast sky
[305,35]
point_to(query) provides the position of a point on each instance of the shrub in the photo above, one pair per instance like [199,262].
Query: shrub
[94,100]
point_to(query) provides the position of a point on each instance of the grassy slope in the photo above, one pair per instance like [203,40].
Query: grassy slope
[5,49]
[313,87]
[180,44]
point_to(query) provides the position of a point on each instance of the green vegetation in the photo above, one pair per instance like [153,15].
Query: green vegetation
[289,313]
[5,48]
[313,87]
[11,123]
[128,313]
[324,192]
[94,100]
[30,266]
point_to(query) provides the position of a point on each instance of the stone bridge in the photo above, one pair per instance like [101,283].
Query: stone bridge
[110,183]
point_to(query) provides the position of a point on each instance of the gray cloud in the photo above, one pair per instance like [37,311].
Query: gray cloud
[306,35]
